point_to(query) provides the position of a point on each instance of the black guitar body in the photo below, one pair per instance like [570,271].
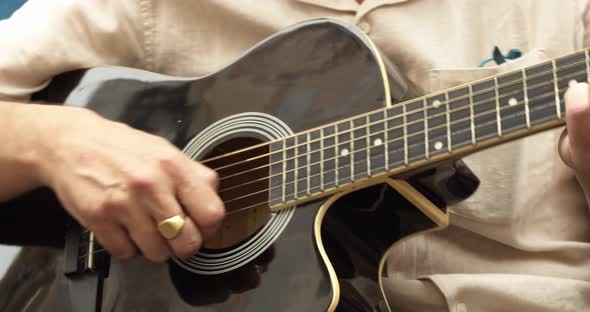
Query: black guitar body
[324,254]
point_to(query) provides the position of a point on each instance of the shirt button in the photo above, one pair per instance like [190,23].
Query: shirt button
[365,27]
[461,307]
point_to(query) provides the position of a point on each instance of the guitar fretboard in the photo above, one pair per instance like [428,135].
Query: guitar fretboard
[412,132]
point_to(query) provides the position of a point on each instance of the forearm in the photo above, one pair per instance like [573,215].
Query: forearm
[21,135]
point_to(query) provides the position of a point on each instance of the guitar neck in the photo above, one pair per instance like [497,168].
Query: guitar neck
[421,131]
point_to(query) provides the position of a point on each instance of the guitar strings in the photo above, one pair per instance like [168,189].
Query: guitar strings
[445,102]
[478,103]
[422,109]
[266,203]
[387,119]
[93,252]
[242,209]
[343,143]
[468,128]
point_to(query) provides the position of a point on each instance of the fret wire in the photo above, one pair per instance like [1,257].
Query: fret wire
[464,129]
[466,118]
[556,80]
[556,89]
[322,158]
[386,138]
[296,153]
[508,84]
[526,99]
[471,113]
[405,134]
[351,153]
[482,91]
[479,115]
[284,170]
[540,74]
[478,102]
[449,141]
[498,116]
[369,146]
[308,164]
[486,101]
[541,84]
[336,153]
[587,65]
[426,148]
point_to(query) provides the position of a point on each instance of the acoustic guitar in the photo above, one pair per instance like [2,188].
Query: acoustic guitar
[327,157]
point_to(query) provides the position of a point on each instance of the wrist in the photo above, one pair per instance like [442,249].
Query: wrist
[20,156]
[37,131]
[47,127]
[31,145]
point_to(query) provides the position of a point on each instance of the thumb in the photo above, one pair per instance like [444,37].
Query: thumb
[576,139]
[564,148]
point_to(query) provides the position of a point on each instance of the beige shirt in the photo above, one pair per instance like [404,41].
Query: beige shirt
[521,243]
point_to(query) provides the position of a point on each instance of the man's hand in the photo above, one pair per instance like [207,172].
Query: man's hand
[574,144]
[120,182]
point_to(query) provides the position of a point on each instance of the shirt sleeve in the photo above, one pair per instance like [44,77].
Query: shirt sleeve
[46,38]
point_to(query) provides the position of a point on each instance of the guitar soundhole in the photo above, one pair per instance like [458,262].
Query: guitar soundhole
[243,188]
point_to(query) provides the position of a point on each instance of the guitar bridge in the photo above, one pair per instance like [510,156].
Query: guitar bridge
[86,265]
[83,253]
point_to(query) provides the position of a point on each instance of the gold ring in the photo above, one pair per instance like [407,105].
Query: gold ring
[170,228]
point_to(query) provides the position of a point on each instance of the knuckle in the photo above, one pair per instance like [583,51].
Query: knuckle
[123,253]
[142,181]
[159,256]
[117,247]
[189,248]
[114,205]
[170,159]
[96,215]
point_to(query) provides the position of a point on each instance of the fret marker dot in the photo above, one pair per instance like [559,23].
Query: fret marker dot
[438,145]
[344,152]
[512,101]
[436,103]
[572,82]
[378,142]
